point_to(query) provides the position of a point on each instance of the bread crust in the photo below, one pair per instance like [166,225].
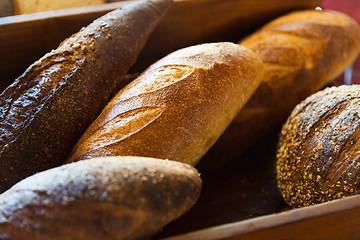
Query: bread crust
[48,108]
[104,198]
[177,108]
[318,155]
[302,52]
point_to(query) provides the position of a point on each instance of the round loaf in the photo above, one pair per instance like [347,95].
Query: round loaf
[318,159]
[177,108]
[104,198]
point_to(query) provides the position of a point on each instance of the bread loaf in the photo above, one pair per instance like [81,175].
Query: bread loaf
[48,108]
[302,52]
[104,198]
[177,108]
[318,155]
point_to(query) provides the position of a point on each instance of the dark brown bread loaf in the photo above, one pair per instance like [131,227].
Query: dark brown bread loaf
[49,107]
[319,152]
[104,198]
[302,52]
[177,108]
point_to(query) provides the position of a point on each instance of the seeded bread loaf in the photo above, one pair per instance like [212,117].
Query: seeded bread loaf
[46,110]
[318,155]
[177,108]
[302,52]
[104,198]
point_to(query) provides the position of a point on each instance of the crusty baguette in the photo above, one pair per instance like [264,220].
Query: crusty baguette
[318,154]
[302,52]
[104,198]
[46,110]
[177,108]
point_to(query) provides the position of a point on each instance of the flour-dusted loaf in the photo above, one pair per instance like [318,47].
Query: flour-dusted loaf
[46,110]
[177,108]
[318,159]
[104,198]
[302,52]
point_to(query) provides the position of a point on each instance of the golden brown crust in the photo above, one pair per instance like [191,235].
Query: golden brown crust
[177,108]
[104,198]
[48,108]
[302,52]
[318,157]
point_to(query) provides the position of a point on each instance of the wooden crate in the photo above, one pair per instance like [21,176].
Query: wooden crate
[240,200]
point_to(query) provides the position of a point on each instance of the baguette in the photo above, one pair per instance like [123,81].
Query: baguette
[302,52]
[177,108]
[48,108]
[104,198]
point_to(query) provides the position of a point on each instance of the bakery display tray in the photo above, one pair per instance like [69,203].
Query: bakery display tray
[240,200]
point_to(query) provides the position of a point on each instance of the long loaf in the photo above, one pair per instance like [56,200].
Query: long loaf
[48,108]
[104,198]
[177,108]
[302,52]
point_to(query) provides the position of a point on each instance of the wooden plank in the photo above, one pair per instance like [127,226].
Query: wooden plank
[241,201]
[196,21]
[32,6]
[338,219]
[243,189]
[25,38]
[6,8]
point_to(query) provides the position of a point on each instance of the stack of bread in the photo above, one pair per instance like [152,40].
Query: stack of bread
[125,167]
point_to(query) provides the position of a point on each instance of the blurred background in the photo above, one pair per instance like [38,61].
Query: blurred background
[352,8]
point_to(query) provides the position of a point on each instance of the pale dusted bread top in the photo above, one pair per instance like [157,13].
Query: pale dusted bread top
[178,107]
[104,198]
